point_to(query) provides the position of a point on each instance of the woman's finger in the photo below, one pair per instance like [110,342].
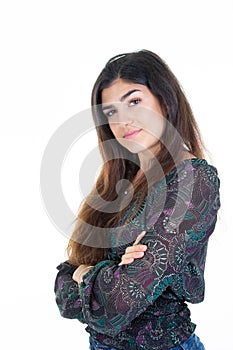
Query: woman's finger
[129,258]
[126,261]
[134,255]
[135,251]
[139,237]
[136,248]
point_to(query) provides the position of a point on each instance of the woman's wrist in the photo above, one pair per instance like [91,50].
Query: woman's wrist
[80,272]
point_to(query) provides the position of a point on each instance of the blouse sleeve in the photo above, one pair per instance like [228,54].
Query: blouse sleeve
[112,296]
[67,293]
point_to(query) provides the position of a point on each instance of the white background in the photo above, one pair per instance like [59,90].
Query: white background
[51,54]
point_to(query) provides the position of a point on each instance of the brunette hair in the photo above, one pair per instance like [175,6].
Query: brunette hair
[146,68]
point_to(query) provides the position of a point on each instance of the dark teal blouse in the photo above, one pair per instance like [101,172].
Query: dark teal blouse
[143,305]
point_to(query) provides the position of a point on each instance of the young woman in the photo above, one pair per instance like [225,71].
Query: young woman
[156,188]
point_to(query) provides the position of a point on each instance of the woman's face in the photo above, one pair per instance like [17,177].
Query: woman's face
[134,115]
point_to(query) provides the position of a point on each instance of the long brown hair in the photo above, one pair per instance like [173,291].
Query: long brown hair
[103,209]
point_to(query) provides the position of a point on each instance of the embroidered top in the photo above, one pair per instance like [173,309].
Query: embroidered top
[143,305]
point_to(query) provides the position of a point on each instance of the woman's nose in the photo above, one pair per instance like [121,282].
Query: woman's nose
[124,116]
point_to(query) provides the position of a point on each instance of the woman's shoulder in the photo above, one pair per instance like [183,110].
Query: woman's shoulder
[187,174]
[195,168]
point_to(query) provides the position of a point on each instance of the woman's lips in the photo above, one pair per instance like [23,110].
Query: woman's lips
[132,133]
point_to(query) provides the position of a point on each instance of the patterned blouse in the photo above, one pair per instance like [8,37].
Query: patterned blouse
[143,305]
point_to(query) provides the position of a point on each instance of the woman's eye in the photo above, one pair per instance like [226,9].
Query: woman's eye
[110,113]
[134,102]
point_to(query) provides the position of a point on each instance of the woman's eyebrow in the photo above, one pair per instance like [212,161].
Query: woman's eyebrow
[128,93]
[107,107]
[121,99]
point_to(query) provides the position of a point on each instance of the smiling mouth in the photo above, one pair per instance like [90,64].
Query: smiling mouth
[132,134]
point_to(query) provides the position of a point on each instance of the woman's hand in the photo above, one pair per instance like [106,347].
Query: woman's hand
[80,272]
[136,251]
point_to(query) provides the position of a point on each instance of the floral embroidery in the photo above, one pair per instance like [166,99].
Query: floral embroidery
[177,251]
[157,257]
